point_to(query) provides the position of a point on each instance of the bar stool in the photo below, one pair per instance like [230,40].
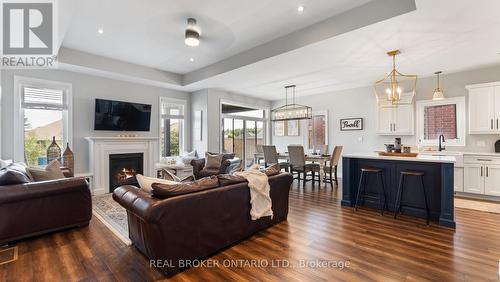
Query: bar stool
[380,186]
[401,186]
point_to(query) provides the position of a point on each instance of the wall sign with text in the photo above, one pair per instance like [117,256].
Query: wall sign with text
[351,124]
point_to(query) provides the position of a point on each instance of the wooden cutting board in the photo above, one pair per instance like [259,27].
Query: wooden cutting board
[412,155]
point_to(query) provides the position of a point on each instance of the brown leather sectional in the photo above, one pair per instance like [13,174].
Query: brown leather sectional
[40,207]
[196,225]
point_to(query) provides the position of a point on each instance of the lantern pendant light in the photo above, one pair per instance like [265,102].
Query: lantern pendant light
[395,85]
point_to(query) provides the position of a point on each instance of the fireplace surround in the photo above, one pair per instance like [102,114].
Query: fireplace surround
[100,148]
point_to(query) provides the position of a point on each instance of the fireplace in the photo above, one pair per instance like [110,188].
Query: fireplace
[123,168]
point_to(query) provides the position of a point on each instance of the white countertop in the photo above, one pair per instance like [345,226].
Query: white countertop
[419,158]
[462,153]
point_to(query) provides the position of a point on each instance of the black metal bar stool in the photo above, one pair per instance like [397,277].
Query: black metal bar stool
[399,195]
[380,185]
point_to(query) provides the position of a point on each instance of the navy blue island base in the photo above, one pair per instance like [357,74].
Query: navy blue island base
[438,181]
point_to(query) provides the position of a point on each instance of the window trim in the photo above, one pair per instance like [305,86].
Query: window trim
[18,136]
[459,102]
[182,142]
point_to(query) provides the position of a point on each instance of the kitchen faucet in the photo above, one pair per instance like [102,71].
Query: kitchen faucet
[441,141]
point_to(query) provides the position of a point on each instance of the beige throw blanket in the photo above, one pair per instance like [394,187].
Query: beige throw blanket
[259,193]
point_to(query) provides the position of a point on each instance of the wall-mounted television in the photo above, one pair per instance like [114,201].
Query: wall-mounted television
[121,116]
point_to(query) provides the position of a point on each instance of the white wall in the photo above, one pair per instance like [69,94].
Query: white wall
[86,89]
[361,102]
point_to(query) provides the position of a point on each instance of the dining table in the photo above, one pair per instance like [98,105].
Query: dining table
[322,160]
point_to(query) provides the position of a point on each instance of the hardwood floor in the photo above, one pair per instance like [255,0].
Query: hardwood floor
[377,248]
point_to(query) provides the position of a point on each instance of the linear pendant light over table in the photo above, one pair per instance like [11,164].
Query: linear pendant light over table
[291,111]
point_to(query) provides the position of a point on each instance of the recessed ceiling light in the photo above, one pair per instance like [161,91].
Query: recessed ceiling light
[300,9]
[191,59]
[100,31]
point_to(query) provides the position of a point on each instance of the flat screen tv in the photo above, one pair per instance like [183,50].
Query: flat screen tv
[121,116]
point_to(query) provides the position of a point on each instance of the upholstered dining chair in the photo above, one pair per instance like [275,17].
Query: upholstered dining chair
[271,157]
[298,164]
[258,150]
[331,169]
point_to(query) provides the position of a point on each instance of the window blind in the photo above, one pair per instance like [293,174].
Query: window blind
[43,98]
[171,110]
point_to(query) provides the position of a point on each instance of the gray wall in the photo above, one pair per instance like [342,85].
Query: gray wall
[361,102]
[85,89]
[199,102]
[209,101]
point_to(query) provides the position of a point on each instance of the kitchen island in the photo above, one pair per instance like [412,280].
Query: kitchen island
[438,181]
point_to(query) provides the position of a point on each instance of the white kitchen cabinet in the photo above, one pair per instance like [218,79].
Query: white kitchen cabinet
[458,179]
[385,120]
[473,178]
[484,108]
[396,120]
[492,180]
[482,175]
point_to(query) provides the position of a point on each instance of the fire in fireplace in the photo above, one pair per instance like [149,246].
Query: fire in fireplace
[123,168]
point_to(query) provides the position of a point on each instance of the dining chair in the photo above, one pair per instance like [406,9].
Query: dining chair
[332,167]
[258,151]
[298,164]
[271,157]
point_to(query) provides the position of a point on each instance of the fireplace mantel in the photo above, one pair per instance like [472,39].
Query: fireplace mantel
[101,147]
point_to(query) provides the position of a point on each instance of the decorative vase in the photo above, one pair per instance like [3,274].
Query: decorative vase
[68,159]
[53,151]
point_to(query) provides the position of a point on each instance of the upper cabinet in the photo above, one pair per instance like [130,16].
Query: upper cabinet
[484,108]
[397,120]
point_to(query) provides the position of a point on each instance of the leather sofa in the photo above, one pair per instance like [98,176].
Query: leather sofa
[36,208]
[199,170]
[196,225]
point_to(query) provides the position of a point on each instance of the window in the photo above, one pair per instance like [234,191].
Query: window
[171,126]
[444,117]
[44,112]
[317,133]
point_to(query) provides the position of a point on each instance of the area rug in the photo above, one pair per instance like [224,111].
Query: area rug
[478,205]
[112,215]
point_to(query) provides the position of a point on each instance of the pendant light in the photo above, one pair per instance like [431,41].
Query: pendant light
[395,85]
[291,111]
[438,92]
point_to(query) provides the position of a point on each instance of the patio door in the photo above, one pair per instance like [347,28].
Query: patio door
[242,129]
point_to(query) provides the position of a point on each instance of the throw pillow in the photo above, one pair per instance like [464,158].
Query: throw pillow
[234,167]
[5,163]
[164,191]
[145,182]
[13,174]
[213,161]
[191,154]
[51,172]
[167,175]
[228,179]
[272,170]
